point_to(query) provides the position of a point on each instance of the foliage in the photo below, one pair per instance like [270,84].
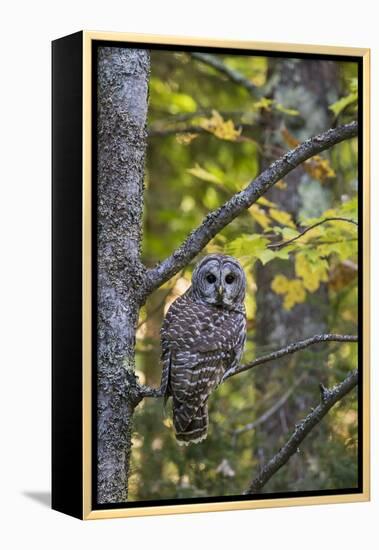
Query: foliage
[189,173]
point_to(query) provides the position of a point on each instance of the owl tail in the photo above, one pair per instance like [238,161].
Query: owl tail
[193,431]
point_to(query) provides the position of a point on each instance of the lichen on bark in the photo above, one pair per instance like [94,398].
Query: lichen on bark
[122,97]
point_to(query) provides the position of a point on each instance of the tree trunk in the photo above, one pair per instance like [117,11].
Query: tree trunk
[122,89]
[306,86]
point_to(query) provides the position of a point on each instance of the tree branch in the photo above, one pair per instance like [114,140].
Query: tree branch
[271,411]
[215,221]
[329,397]
[291,348]
[232,74]
[282,244]
[159,131]
[200,113]
[147,391]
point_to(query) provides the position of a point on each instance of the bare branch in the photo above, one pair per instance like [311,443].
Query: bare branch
[271,411]
[291,348]
[282,244]
[232,74]
[215,221]
[185,117]
[147,391]
[160,131]
[329,397]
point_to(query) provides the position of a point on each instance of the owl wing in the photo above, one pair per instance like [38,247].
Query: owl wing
[198,344]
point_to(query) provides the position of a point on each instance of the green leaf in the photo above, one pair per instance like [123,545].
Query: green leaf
[283,254]
[291,112]
[204,174]
[263,103]
[247,245]
[344,102]
[289,233]
[282,217]
[350,208]
[266,256]
[265,202]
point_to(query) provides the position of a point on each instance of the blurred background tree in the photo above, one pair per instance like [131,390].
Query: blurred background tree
[214,123]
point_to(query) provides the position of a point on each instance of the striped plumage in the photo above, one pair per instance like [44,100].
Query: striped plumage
[203,335]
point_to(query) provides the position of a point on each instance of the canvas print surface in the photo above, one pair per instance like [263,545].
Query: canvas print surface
[227,269]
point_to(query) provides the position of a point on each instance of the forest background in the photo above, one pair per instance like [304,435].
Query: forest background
[209,135]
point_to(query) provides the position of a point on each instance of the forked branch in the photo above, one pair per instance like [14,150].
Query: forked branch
[215,221]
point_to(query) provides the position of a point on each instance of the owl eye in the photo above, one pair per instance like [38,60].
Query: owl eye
[229,279]
[211,278]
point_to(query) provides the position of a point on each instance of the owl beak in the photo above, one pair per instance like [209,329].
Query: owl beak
[220,290]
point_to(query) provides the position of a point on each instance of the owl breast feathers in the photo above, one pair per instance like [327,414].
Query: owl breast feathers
[203,335]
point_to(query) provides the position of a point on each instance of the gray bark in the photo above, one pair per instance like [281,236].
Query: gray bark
[122,111]
[307,86]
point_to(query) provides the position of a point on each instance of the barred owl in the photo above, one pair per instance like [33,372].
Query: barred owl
[203,335]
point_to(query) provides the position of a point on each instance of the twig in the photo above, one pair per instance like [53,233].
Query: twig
[185,117]
[271,411]
[147,391]
[291,348]
[329,397]
[215,221]
[309,228]
[190,129]
[232,74]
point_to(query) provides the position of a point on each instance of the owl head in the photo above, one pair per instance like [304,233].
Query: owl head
[219,280]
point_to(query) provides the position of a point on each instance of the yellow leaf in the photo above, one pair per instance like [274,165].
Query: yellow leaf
[219,127]
[265,202]
[260,216]
[186,138]
[282,109]
[168,422]
[280,284]
[264,103]
[296,291]
[319,168]
[281,184]
[312,282]
[203,174]
[288,302]
[282,217]
[293,291]
[295,294]
[258,80]
[312,274]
